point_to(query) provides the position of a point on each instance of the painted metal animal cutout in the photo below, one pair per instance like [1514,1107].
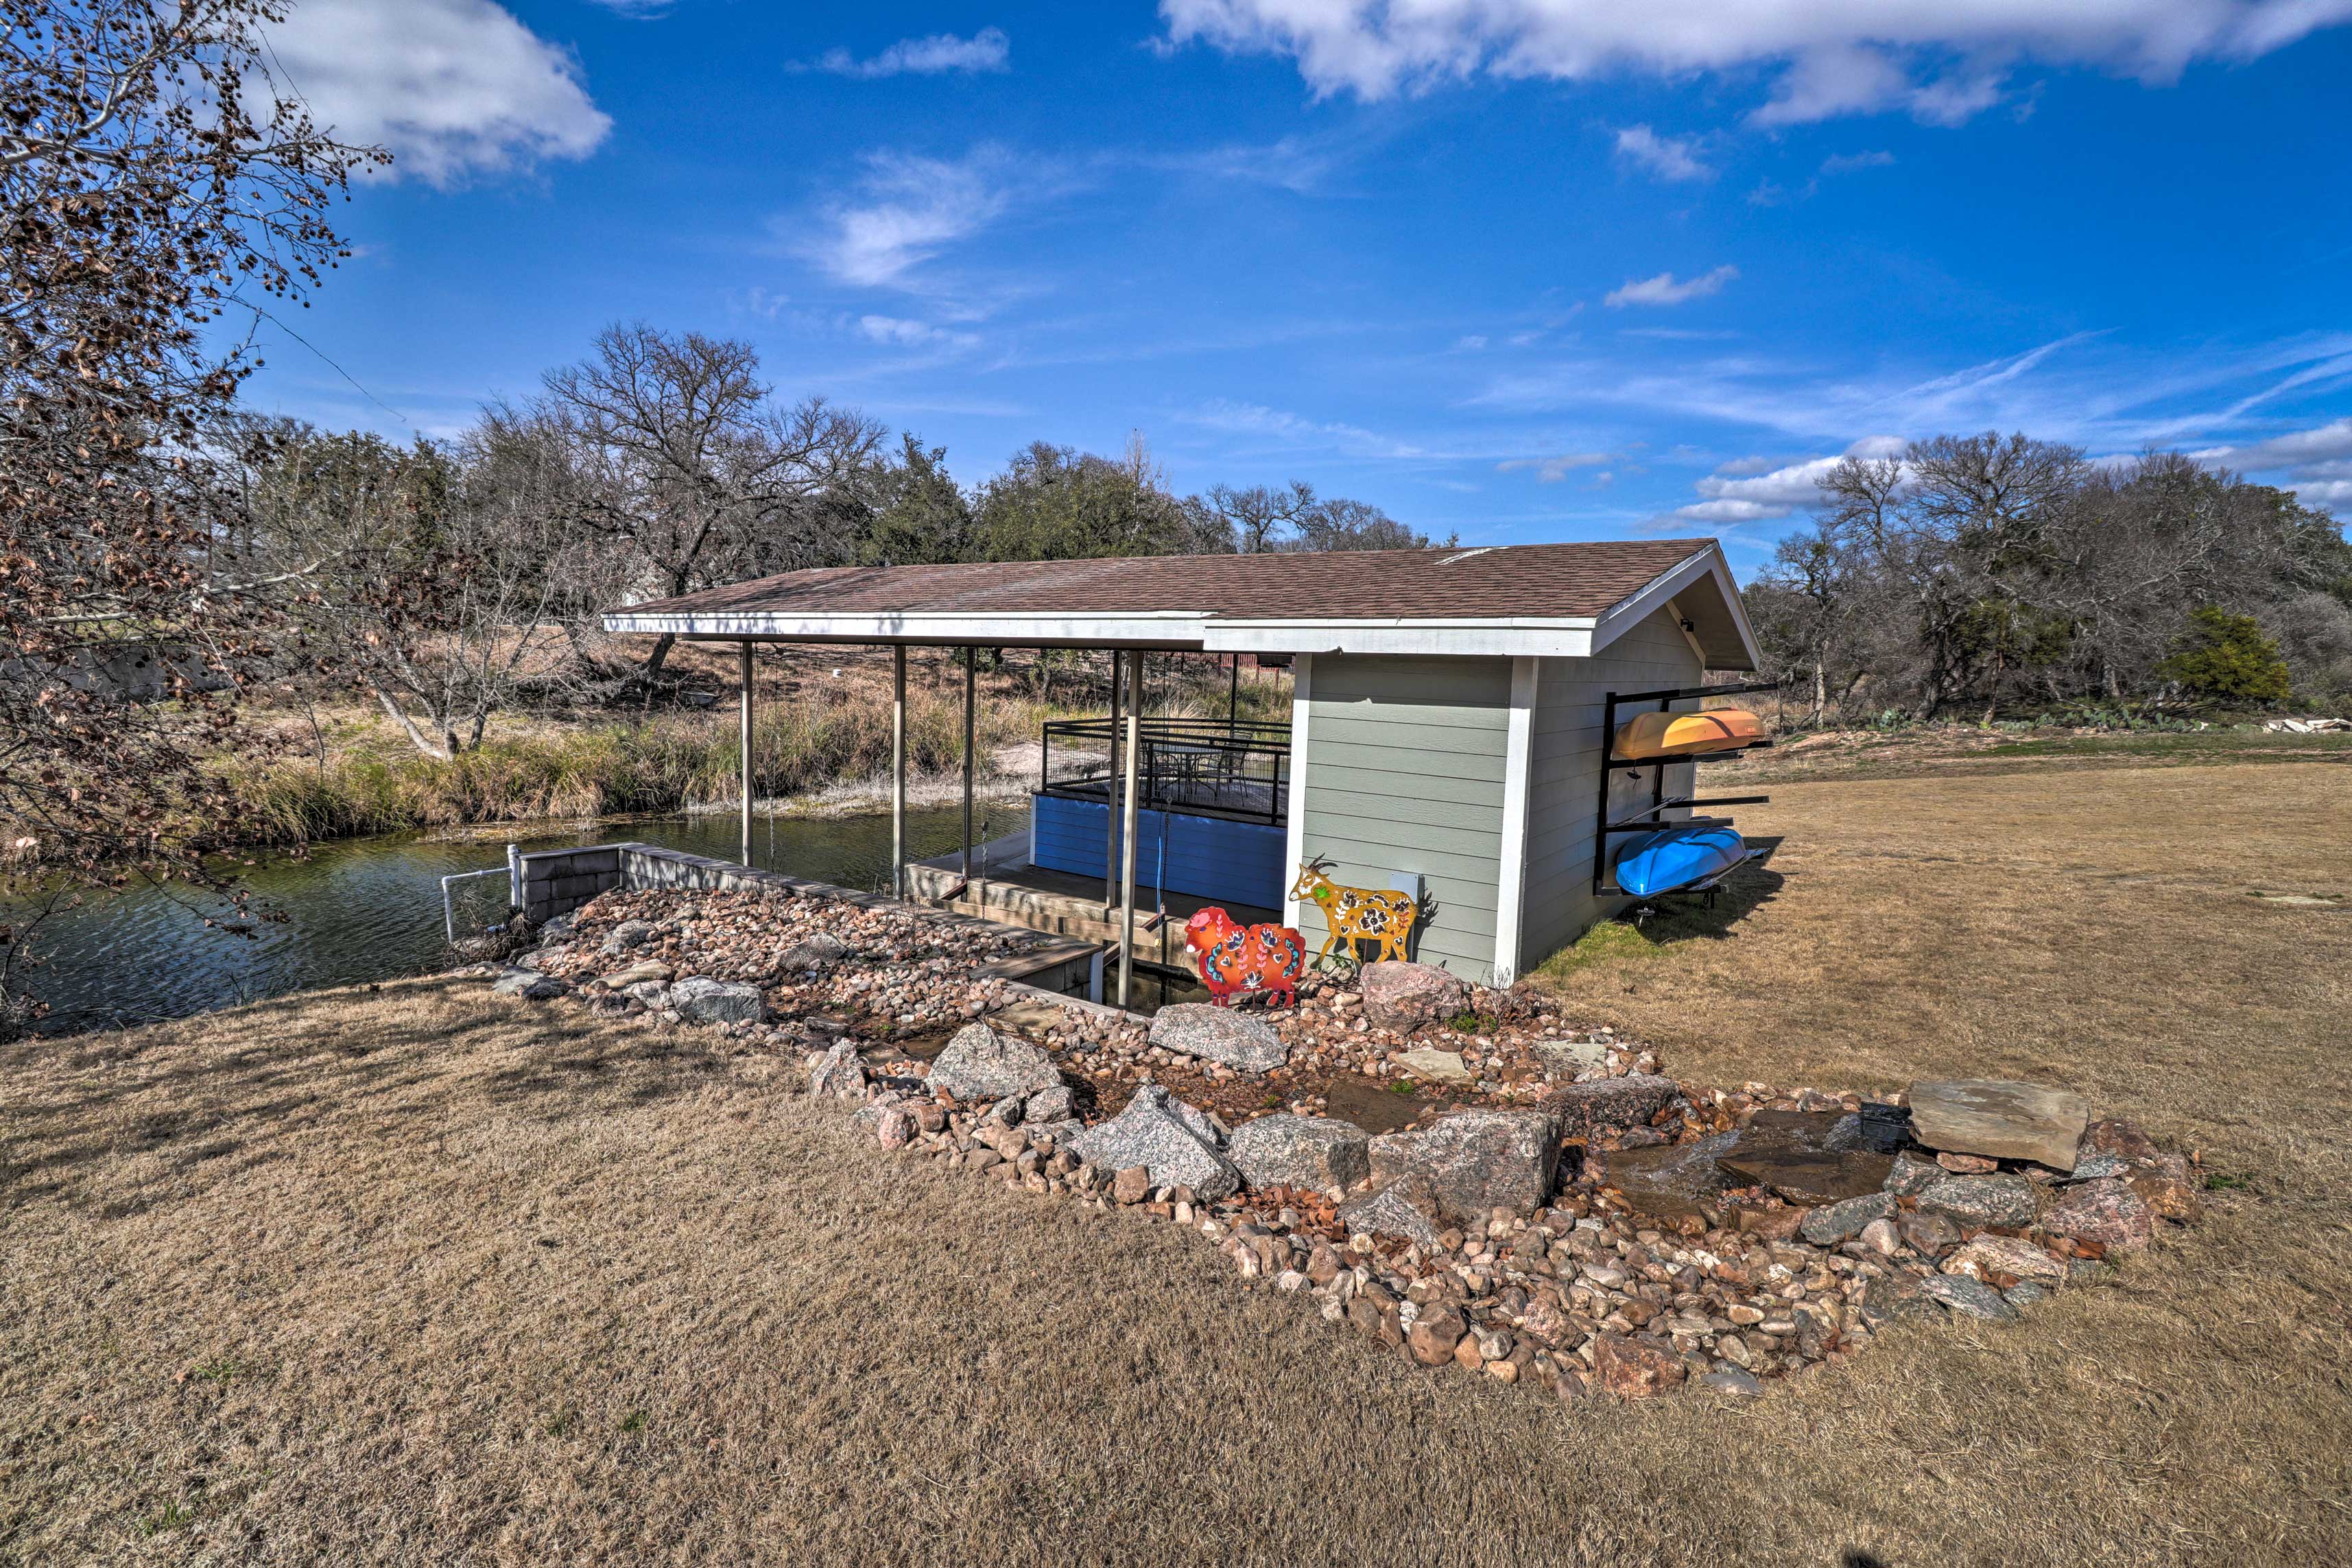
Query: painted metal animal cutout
[1357,914]
[1242,960]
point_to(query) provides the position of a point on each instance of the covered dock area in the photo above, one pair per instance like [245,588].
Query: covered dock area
[1445,741]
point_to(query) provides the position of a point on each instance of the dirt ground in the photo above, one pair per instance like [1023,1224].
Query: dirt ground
[410,1276]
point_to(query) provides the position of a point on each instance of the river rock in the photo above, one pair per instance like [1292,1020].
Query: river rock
[1153,1133]
[1628,1101]
[2001,1120]
[1569,1058]
[1834,1223]
[699,999]
[1406,1208]
[1476,1161]
[2003,1201]
[2019,1260]
[1403,996]
[1242,1042]
[1317,1152]
[980,1064]
[1671,1180]
[2106,1213]
[1434,1335]
[637,973]
[1634,1369]
[1928,1233]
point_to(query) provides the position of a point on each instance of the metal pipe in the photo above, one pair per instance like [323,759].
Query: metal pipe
[1126,829]
[898,771]
[745,672]
[971,669]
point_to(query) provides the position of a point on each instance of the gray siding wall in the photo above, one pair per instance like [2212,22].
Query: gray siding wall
[1565,772]
[1405,774]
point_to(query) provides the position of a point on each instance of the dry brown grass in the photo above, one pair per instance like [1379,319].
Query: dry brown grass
[411,1277]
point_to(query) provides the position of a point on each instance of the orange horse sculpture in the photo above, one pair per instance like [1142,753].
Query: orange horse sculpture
[1238,959]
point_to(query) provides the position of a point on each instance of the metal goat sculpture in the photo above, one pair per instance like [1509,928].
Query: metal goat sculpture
[1357,914]
[1238,959]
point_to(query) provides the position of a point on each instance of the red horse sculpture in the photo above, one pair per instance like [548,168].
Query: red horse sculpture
[1241,960]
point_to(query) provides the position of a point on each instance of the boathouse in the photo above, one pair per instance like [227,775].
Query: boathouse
[1447,734]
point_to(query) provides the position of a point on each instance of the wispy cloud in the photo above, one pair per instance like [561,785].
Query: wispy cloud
[1669,158]
[1853,163]
[1666,290]
[899,331]
[1551,470]
[1296,430]
[906,210]
[938,55]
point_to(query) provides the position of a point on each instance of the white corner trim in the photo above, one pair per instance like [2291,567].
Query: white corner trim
[1302,686]
[1518,760]
[1635,608]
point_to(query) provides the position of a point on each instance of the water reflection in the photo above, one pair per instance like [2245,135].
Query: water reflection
[370,909]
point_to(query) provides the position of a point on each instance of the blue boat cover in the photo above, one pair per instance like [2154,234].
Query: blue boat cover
[1675,857]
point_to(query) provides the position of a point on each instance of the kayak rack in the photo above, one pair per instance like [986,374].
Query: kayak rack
[1626,704]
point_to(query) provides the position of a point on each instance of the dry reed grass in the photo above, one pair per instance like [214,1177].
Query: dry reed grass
[414,1277]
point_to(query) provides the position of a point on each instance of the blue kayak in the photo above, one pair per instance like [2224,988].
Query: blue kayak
[1675,857]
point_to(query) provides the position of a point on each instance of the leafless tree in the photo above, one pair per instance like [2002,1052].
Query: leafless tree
[679,451]
[154,177]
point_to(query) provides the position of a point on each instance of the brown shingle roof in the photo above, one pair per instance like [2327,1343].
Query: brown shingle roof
[1520,580]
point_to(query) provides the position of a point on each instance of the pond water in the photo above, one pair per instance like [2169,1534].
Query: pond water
[370,909]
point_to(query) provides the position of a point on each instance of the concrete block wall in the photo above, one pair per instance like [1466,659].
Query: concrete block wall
[558,881]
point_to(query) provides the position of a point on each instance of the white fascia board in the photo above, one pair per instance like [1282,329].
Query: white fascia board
[1160,629]
[1483,636]
[1632,610]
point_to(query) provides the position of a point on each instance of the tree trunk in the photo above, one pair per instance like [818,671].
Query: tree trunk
[408,726]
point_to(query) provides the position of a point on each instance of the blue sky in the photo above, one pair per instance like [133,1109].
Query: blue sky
[1518,270]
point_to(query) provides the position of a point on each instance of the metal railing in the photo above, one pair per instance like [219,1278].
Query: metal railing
[1207,767]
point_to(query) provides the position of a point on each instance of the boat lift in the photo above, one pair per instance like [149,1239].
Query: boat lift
[1651,820]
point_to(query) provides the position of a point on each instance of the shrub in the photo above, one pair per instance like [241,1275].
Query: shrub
[2225,658]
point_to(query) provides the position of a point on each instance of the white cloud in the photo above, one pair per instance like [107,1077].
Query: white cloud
[2324,492]
[1665,290]
[986,50]
[1941,59]
[907,209]
[1551,470]
[1669,158]
[1737,493]
[2305,451]
[1471,342]
[454,88]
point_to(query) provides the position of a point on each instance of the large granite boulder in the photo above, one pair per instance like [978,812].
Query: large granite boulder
[982,1064]
[1476,1161]
[1634,1369]
[1405,1208]
[2105,1213]
[628,936]
[1220,1034]
[1156,1133]
[1628,1101]
[2006,1202]
[698,999]
[841,1074]
[1403,996]
[529,984]
[1431,1064]
[1316,1152]
[2000,1120]
[812,952]
[1844,1220]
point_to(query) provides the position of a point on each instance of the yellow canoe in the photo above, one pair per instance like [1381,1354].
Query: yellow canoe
[1652,736]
